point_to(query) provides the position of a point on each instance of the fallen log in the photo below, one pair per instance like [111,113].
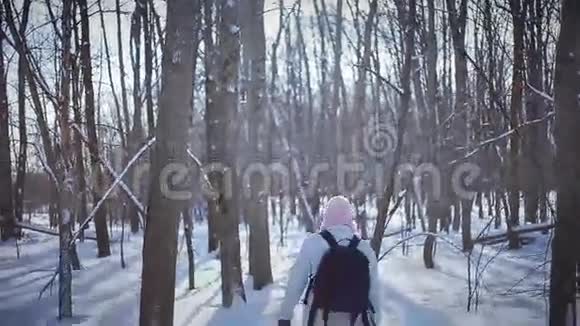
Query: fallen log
[44,230]
[502,236]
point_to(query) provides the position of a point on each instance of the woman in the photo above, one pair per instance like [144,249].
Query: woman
[338,220]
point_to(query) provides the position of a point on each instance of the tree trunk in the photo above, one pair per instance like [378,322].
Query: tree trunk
[7,219]
[22,130]
[565,255]
[383,209]
[515,110]
[211,97]
[147,36]
[64,196]
[254,40]
[169,155]
[360,88]
[136,134]
[81,185]
[188,234]
[466,207]
[104,249]
[338,132]
[535,148]
[220,138]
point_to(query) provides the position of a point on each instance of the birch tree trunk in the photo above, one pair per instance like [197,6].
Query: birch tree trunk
[64,196]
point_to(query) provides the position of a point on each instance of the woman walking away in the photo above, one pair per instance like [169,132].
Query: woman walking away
[338,271]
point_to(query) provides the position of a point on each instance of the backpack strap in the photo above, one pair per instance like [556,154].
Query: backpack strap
[312,315]
[308,289]
[354,242]
[326,235]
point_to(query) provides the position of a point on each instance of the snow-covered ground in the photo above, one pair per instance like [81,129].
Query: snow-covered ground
[105,294]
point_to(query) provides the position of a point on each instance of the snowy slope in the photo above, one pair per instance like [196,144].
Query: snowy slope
[104,294]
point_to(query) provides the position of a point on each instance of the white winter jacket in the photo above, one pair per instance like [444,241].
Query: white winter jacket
[306,265]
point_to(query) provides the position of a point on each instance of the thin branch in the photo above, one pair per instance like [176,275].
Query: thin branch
[108,192]
[502,136]
[113,174]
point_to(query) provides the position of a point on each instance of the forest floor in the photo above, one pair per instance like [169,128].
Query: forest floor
[511,290]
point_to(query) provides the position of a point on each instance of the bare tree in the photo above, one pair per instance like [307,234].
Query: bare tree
[136,135]
[22,130]
[211,96]
[254,42]
[98,181]
[64,194]
[516,108]
[7,219]
[173,125]
[408,35]
[79,162]
[565,257]
[148,49]
[220,142]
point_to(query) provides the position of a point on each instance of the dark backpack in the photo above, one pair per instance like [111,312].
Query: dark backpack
[341,283]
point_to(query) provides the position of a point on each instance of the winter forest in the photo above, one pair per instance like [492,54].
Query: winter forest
[162,162]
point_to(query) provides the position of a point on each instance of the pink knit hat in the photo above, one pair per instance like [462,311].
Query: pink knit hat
[338,211]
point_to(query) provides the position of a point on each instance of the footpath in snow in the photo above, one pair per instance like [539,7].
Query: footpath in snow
[105,294]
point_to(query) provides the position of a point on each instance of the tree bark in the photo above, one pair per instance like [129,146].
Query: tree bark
[254,41]
[360,88]
[103,247]
[136,134]
[565,255]
[81,184]
[22,130]
[383,209]
[7,219]
[535,148]
[148,49]
[188,234]
[515,110]
[220,138]
[64,194]
[211,97]
[169,155]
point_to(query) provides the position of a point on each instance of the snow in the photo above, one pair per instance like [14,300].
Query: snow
[234,29]
[510,290]
[176,58]
[65,216]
